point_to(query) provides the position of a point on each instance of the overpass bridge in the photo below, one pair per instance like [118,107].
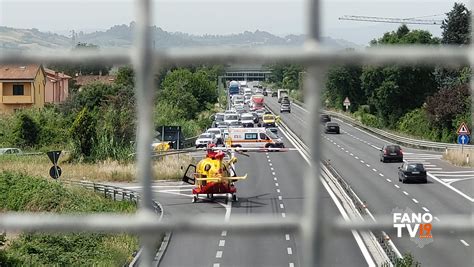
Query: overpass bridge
[246,73]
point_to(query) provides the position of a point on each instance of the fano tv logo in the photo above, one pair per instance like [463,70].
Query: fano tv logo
[416,224]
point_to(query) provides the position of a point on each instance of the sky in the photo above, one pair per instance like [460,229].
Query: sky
[279,17]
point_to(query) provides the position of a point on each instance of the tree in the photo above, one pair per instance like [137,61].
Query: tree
[393,91]
[455,27]
[27,131]
[342,82]
[83,133]
[447,104]
[125,76]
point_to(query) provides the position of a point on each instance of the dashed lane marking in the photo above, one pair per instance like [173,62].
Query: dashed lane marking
[278,190]
[464,243]
[280,198]
[405,192]
[274,178]
[224,233]
[276,184]
[381,174]
[283,215]
[289,251]
[219,254]
[414,200]
[375,170]
[425,209]
[436,218]
[287,237]
[281,206]
[216,265]
[221,243]
[396,185]
[388,180]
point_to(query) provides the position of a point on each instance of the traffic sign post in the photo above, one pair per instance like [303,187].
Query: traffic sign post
[55,171]
[346,103]
[463,135]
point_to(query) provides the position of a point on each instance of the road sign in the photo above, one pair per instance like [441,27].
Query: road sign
[54,156]
[55,172]
[463,139]
[463,130]
[346,103]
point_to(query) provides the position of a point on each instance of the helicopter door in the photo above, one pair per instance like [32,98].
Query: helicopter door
[189,174]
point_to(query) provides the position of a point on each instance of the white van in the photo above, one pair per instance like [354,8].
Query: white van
[253,138]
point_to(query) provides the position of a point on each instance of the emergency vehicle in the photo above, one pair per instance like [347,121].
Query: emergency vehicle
[253,138]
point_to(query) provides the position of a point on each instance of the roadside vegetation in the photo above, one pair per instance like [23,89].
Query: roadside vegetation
[426,102]
[19,192]
[460,158]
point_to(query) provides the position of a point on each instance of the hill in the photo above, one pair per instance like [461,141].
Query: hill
[121,36]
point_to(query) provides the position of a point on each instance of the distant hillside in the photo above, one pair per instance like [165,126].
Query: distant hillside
[121,36]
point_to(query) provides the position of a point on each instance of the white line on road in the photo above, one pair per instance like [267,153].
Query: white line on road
[272,169]
[375,170]
[283,215]
[450,187]
[375,147]
[270,164]
[276,184]
[381,174]
[280,198]
[274,178]
[224,233]
[388,180]
[278,190]
[414,200]
[368,165]
[436,218]
[464,243]
[289,251]
[351,154]
[425,209]
[287,237]
[221,243]
[356,157]
[216,265]
[281,206]
[405,192]
[269,160]
[361,161]
[219,254]
[273,173]
[396,185]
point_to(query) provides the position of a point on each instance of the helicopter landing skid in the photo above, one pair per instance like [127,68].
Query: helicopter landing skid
[215,188]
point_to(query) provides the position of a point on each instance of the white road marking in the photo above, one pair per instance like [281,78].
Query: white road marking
[219,254]
[396,185]
[464,243]
[381,174]
[436,218]
[356,157]
[362,161]
[338,146]
[272,169]
[216,265]
[375,170]
[431,168]
[287,237]
[269,160]
[274,178]
[276,184]
[270,164]
[414,200]
[425,209]
[221,243]
[388,180]
[351,154]
[289,251]
[278,190]
[378,148]
[368,165]
[280,198]
[281,206]
[450,187]
[273,173]
[283,215]
[224,233]
[405,192]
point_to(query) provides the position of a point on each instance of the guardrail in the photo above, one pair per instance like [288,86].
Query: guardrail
[401,140]
[119,194]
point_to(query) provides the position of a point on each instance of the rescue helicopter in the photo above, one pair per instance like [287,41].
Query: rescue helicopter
[215,173]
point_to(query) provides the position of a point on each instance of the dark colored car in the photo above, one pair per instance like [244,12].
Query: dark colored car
[265,93]
[412,172]
[325,118]
[256,119]
[332,127]
[274,94]
[391,153]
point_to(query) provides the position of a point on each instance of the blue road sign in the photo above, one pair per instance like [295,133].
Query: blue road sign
[463,139]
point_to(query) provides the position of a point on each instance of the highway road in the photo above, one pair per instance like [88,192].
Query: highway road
[355,155]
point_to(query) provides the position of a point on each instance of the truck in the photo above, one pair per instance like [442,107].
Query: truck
[257,102]
[234,88]
[281,94]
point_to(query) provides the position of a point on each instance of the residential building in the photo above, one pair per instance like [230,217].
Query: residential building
[57,86]
[21,86]
[82,80]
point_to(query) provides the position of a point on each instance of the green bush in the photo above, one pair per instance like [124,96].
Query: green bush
[26,132]
[366,118]
[83,134]
[20,192]
[415,123]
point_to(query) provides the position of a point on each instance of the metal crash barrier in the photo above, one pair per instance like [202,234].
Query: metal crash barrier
[147,62]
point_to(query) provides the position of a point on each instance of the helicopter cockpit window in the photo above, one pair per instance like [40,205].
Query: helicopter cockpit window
[251,136]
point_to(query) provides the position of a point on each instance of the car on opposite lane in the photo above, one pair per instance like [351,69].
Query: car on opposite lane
[325,118]
[391,153]
[332,127]
[412,172]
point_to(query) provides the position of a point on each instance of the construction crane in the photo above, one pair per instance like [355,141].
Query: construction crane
[394,20]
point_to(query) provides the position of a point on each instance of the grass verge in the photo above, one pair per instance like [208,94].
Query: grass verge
[458,157]
[20,192]
[167,168]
